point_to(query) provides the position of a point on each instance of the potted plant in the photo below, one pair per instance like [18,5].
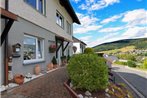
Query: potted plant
[63,60]
[19,79]
[54,61]
[52,48]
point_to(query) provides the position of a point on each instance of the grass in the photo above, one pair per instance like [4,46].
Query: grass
[124,49]
[141,68]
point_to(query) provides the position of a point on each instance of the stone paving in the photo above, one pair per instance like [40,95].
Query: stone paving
[47,86]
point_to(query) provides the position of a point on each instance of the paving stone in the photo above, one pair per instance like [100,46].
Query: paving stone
[48,86]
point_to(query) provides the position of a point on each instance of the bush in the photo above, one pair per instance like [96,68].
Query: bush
[145,64]
[89,51]
[88,72]
[131,63]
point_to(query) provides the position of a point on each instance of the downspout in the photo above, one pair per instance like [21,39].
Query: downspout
[6,49]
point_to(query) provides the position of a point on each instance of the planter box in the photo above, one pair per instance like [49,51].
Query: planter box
[71,91]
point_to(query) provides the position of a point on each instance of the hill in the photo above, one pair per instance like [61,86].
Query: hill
[134,43]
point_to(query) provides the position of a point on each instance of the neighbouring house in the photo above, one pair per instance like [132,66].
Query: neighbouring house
[79,45]
[29,28]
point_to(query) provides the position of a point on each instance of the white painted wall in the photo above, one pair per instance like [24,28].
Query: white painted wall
[77,44]
[48,22]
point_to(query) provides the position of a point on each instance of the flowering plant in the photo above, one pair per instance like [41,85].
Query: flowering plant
[52,48]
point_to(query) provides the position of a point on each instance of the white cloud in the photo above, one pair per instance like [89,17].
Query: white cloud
[135,17]
[111,29]
[111,19]
[96,5]
[86,29]
[85,39]
[135,32]
[130,33]
[87,24]
[76,1]
[108,38]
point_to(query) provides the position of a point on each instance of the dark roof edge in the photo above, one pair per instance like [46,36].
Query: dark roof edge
[70,10]
[78,40]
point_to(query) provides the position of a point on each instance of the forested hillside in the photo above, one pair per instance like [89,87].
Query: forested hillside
[137,43]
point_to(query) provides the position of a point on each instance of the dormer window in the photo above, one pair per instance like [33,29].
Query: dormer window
[37,4]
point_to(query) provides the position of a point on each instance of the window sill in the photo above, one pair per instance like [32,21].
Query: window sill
[27,62]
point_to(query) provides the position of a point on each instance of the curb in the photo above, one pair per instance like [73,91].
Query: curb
[131,86]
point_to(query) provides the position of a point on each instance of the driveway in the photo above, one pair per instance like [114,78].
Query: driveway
[48,86]
[137,79]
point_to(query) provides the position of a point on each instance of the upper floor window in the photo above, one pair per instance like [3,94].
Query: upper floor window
[68,27]
[59,20]
[37,4]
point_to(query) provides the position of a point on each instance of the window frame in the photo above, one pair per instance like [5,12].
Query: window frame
[57,19]
[36,51]
[37,6]
[68,27]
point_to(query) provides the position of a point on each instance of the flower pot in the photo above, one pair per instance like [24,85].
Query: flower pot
[19,79]
[55,65]
[49,66]
[37,69]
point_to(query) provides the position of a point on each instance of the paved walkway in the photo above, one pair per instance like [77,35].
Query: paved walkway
[47,86]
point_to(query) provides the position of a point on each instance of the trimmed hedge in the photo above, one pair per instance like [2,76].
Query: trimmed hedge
[88,72]
[131,63]
[89,51]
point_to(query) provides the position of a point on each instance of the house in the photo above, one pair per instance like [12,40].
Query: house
[80,45]
[29,28]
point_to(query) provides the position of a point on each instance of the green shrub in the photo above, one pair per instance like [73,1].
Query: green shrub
[88,72]
[131,63]
[145,64]
[89,51]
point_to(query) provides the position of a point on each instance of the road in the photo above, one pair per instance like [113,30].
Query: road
[136,78]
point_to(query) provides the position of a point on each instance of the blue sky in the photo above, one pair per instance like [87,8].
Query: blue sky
[109,20]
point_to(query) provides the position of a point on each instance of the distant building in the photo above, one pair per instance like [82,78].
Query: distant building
[80,45]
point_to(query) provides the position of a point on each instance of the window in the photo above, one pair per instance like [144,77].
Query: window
[33,48]
[59,20]
[37,4]
[68,28]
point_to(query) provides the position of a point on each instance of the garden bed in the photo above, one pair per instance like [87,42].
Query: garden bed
[113,91]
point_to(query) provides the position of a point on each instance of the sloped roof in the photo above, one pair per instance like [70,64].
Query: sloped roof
[66,4]
[77,40]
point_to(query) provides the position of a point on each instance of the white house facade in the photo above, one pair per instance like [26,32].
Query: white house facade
[37,25]
[80,45]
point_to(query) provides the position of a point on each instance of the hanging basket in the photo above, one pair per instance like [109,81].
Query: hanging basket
[52,48]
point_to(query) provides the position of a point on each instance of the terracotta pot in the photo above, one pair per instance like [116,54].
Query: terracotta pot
[37,69]
[19,79]
[50,66]
[55,65]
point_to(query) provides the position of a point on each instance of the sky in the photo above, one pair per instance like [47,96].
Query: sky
[109,20]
